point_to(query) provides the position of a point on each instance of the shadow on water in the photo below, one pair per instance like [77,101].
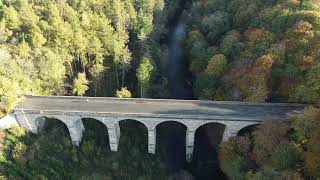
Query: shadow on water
[174,144]
[205,164]
[178,74]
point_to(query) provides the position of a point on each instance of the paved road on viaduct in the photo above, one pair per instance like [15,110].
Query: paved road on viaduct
[171,108]
[150,112]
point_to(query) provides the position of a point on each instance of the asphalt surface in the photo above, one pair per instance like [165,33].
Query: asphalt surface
[184,108]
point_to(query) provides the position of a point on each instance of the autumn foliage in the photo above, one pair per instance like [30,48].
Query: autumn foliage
[271,49]
[278,149]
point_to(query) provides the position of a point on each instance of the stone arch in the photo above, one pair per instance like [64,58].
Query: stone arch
[139,127]
[42,118]
[172,121]
[42,121]
[212,122]
[135,120]
[35,122]
[217,126]
[101,131]
[247,129]
[103,120]
[207,139]
[193,129]
[171,136]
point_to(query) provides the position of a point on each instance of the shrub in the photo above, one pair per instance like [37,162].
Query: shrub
[232,167]
[266,174]
[268,136]
[312,155]
[123,93]
[282,158]
[18,153]
[304,124]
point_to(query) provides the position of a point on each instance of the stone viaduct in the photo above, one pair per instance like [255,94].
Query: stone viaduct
[150,112]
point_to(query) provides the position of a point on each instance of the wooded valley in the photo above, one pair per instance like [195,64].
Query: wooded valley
[235,50]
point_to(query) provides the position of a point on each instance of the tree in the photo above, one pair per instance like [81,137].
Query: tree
[12,17]
[311,156]
[306,4]
[15,79]
[80,84]
[232,167]
[283,158]
[251,78]
[215,24]
[266,174]
[234,157]
[267,138]
[18,153]
[209,84]
[305,135]
[122,54]
[38,40]
[231,46]
[309,90]
[144,75]
[197,46]
[305,124]
[216,65]
[244,13]
[145,24]
[276,151]
[51,72]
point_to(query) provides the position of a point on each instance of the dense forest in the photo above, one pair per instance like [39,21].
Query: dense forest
[255,50]
[276,150]
[81,47]
[243,50]
[28,156]
[77,47]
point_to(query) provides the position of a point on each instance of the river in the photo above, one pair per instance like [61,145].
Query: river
[205,164]
[178,74]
